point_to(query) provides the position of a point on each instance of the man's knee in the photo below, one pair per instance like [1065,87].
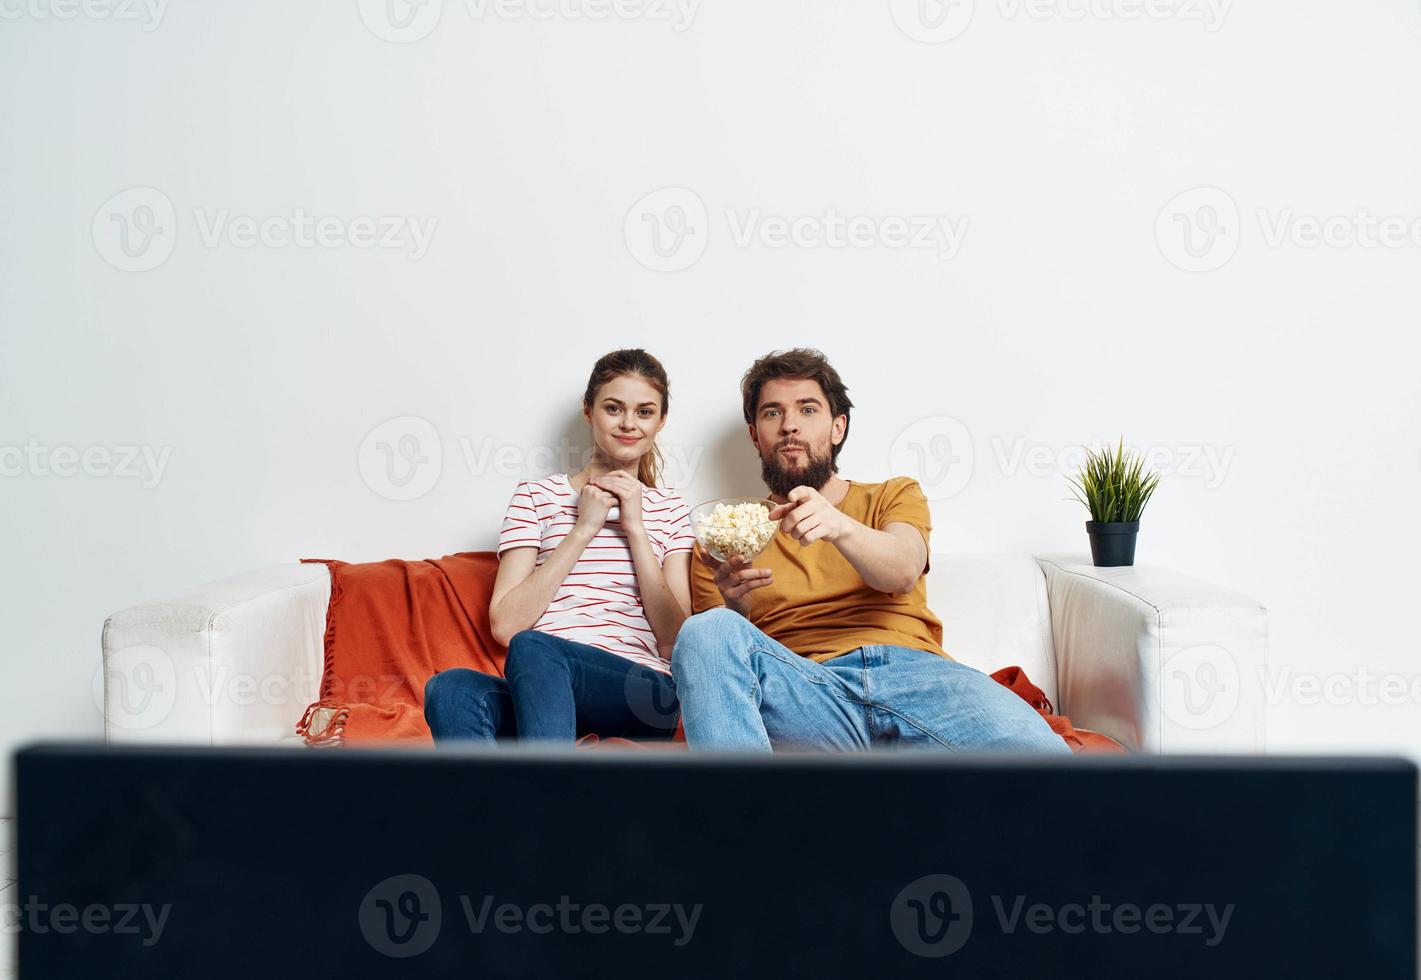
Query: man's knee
[707,639]
[709,629]
[1008,721]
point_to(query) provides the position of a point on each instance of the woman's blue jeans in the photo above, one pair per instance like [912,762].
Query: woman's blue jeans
[554,690]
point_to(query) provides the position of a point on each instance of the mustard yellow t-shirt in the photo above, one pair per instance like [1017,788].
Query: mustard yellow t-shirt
[818,605]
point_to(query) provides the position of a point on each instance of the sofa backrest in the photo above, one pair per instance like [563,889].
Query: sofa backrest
[995,614]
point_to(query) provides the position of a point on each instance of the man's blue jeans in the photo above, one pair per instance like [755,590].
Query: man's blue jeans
[740,689]
[556,689]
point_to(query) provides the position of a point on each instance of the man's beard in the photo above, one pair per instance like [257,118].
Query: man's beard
[781,480]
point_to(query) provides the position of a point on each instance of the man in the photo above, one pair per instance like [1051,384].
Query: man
[826,640]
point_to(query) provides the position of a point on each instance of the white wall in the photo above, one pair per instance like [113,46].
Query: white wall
[1062,314]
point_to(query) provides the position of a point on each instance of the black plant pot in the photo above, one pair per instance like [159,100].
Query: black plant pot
[1112,543]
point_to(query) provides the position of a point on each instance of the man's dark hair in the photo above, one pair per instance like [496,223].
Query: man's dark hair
[801,363]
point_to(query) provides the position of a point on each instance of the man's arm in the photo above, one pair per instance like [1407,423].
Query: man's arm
[733,581]
[890,560]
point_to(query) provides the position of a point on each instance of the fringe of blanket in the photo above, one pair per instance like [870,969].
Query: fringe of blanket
[323,723]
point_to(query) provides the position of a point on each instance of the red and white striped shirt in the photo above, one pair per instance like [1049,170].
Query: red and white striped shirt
[599,603]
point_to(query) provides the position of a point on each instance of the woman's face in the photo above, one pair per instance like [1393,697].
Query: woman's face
[625,416]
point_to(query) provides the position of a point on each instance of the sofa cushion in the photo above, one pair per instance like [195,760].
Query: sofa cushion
[994,614]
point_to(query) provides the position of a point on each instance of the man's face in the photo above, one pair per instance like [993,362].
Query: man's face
[795,435]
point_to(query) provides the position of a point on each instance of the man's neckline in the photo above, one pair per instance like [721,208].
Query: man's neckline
[848,489]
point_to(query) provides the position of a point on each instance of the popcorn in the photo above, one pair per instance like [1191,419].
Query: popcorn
[738,529]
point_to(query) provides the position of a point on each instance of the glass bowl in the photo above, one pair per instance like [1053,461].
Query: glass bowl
[727,538]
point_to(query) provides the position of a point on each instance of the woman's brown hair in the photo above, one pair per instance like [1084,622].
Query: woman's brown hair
[638,363]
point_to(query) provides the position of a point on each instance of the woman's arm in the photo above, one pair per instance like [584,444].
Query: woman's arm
[665,609]
[523,589]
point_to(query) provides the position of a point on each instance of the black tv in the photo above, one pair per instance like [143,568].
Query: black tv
[396,862]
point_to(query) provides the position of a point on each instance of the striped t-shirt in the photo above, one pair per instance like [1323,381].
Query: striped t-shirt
[599,603]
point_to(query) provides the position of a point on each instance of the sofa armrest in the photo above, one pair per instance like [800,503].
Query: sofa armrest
[1157,660]
[236,661]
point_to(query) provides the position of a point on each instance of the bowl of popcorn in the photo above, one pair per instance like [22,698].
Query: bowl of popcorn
[734,527]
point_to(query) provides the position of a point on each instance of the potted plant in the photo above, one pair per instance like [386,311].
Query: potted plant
[1115,489]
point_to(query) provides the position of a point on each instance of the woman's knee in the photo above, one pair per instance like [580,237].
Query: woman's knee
[442,693]
[457,683]
[461,703]
[532,651]
[440,688]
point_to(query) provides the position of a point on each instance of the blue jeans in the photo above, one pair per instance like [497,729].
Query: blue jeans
[554,690]
[468,705]
[740,689]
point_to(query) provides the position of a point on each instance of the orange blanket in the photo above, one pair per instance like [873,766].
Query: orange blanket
[1079,739]
[393,624]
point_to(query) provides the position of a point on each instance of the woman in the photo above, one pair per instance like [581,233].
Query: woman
[593,585]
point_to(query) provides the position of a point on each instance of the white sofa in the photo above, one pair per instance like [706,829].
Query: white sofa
[1157,660]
